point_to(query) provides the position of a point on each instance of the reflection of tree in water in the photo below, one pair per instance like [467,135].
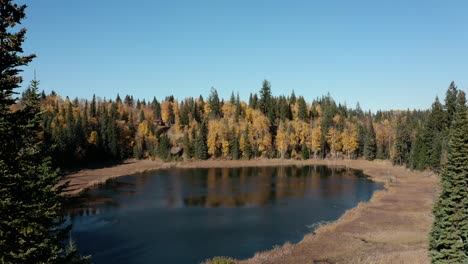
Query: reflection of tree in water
[218,187]
[263,185]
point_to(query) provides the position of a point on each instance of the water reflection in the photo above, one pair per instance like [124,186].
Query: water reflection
[188,215]
[219,187]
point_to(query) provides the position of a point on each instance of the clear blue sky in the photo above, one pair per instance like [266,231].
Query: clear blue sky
[385,54]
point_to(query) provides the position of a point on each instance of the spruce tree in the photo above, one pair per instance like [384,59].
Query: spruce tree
[30,202]
[201,148]
[93,106]
[247,148]
[403,144]
[305,154]
[449,234]
[164,147]
[213,101]
[362,134]
[302,109]
[264,104]
[370,144]
[451,102]
[187,146]
[234,150]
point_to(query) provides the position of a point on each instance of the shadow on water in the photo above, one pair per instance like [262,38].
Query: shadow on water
[188,215]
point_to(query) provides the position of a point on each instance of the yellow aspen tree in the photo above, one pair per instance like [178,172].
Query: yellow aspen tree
[166,111]
[212,137]
[349,140]
[306,134]
[207,109]
[282,139]
[228,110]
[295,134]
[315,143]
[176,126]
[333,139]
[260,131]
[225,148]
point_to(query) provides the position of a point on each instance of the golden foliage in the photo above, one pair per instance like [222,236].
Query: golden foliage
[166,111]
[282,139]
[349,140]
[333,139]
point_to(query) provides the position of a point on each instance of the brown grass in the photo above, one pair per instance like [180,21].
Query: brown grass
[392,227]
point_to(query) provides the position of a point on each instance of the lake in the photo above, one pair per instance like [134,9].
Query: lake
[188,215]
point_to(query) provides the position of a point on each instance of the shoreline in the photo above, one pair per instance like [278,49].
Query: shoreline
[392,227]
[85,179]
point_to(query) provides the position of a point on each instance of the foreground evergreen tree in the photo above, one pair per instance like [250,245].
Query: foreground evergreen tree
[30,205]
[449,235]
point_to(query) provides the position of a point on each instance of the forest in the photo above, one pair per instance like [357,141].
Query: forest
[42,134]
[80,132]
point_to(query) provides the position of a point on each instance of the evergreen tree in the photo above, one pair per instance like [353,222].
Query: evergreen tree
[292,98]
[370,147]
[451,102]
[302,109]
[264,104]
[164,147]
[213,101]
[232,99]
[187,146]
[362,135]
[449,234]
[305,152]
[234,150]
[201,148]
[156,108]
[419,152]
[93,106]
[246,147]
[30,203]
[403,144]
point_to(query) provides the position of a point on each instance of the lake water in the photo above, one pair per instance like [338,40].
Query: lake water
[189,215]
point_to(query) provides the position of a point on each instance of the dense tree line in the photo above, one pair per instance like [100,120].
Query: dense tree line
[81,131]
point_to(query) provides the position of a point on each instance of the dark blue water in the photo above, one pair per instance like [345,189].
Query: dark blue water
[189,215]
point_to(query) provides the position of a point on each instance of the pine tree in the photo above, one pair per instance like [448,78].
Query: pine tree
[449,234]
[213,101]
[30,203]
[164,147]
[362,135]
[187,146]
[245,145]
[451,102]
[370,147]
[305,152]
[93,106]
[302,109]
[403,144]
[234,150]
[264,104]
[201,148]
